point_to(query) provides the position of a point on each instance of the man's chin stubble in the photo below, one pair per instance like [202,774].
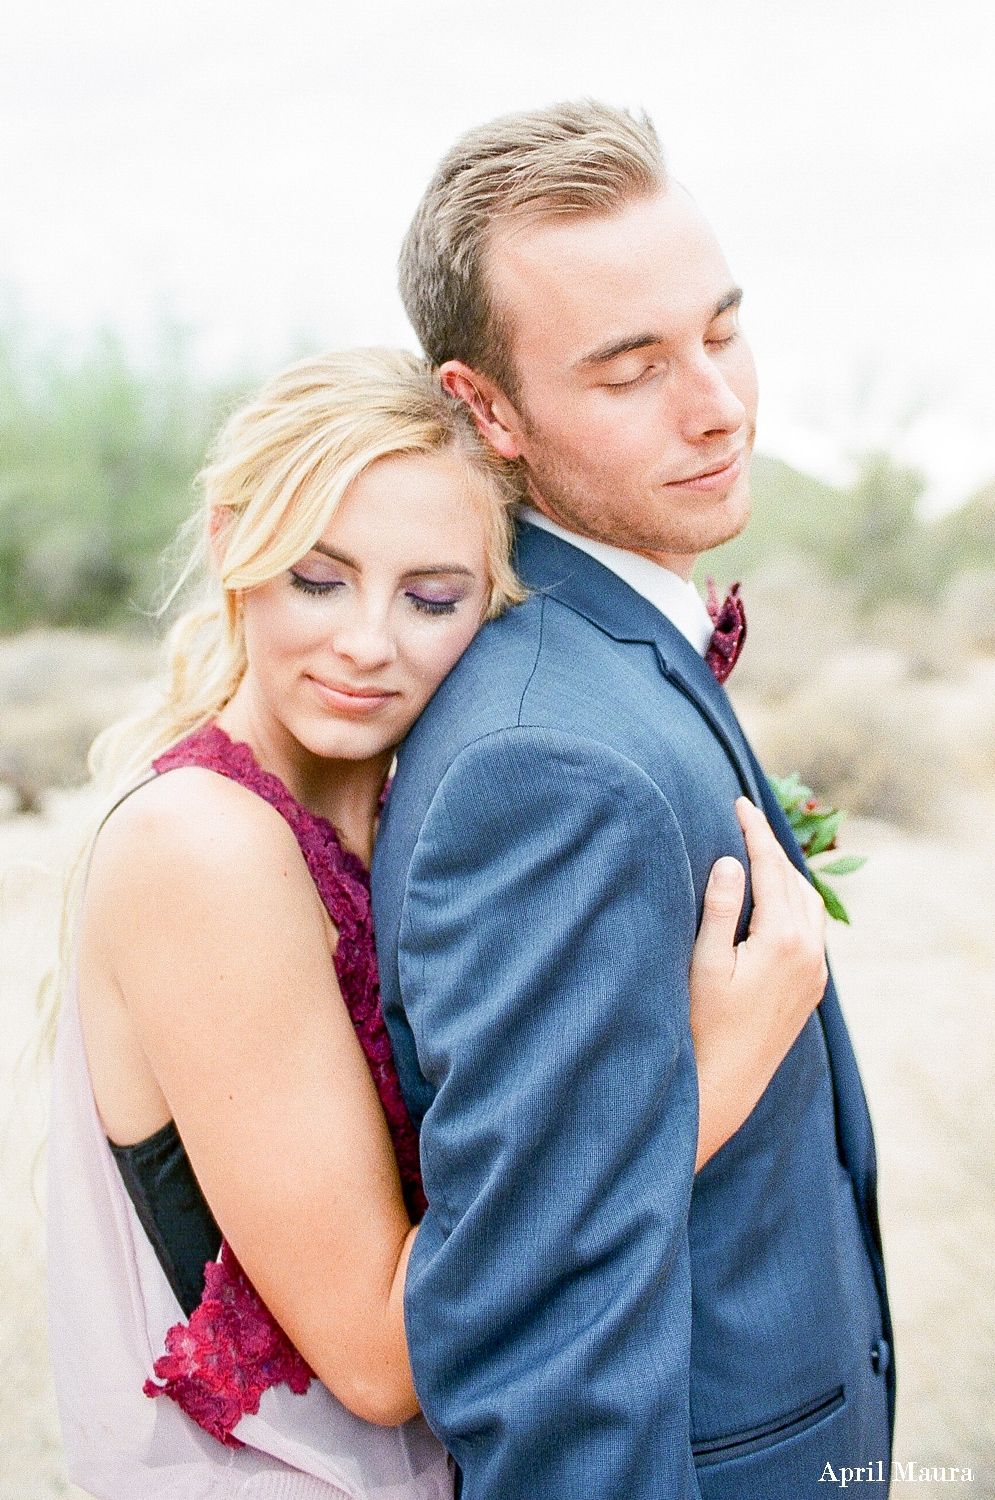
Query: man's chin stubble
[652,535]
[558,495]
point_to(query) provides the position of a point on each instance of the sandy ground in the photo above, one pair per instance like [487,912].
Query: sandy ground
[917,975]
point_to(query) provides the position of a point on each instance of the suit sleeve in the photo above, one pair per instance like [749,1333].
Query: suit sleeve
[545,942]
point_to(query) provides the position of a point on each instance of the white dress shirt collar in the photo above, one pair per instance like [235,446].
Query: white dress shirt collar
[671,595]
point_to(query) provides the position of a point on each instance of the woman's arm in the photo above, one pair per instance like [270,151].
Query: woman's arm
[750,1001]
[202,919]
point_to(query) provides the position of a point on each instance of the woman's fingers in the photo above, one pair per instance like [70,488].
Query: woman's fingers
[715,948]
[785,903]
[813,905]
[771,872]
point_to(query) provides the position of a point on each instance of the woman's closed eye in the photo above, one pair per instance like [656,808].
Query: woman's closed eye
[316,574]
[434,604]
[309,585]
[318,578]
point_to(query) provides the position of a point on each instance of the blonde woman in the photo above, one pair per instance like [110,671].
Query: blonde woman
[234,1177]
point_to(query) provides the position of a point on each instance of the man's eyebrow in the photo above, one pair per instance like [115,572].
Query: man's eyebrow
[617,347]
[731,300]
[446,568]
[611,351]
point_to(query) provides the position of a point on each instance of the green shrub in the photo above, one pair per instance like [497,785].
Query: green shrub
[97,457]
[868,536]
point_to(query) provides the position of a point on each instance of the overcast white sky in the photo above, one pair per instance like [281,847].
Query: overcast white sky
[251,167]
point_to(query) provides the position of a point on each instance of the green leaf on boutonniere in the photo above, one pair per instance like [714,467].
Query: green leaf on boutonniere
[805,827]
[834,905]
[790,792]
[816,828]
[824,836]
[847,864]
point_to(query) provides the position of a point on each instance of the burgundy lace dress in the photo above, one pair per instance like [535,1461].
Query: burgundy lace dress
[343,884]
[229,1368]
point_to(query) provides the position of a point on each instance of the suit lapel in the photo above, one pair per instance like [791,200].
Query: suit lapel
[682,665]
[551,566]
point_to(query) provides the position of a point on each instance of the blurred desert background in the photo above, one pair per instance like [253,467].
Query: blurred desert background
[194,196]
[869,668]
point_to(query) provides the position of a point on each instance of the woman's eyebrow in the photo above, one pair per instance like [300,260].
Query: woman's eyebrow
[349,562]
[339,557]
[446,568]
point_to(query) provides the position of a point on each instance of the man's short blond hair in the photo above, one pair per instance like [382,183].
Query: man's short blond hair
[567,159]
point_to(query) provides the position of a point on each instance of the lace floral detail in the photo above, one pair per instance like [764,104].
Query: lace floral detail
[343,884]
[217,1366]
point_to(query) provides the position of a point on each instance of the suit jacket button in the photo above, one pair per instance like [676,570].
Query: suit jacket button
[880,1356]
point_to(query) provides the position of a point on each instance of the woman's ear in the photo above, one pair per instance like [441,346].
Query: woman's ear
[493,413]
[218,524]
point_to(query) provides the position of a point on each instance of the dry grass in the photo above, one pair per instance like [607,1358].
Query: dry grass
[58,689]
[891,717]
[32,851]
[916,971]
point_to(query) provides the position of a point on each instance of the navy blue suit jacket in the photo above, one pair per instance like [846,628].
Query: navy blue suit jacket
[587,1318]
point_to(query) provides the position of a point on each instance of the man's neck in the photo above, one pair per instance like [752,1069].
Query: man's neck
[674,562]
[664,588]
[681,563]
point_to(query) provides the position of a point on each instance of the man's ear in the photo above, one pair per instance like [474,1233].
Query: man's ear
[492,411]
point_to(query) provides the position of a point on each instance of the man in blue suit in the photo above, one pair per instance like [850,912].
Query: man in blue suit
[588,1317]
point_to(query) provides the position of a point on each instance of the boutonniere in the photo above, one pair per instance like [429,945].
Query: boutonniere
[815,828]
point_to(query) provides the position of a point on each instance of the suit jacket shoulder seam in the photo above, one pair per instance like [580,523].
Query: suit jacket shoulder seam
[535,664]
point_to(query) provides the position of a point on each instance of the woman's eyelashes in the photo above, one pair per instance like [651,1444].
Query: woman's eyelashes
[433,606]
[437,596]
[443,603]
[313,585]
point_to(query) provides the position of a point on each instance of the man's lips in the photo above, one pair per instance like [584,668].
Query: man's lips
[358,702]
[716,477]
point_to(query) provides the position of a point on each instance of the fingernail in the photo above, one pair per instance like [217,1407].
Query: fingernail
[726,871]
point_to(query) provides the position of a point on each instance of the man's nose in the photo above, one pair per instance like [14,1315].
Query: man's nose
[709,403]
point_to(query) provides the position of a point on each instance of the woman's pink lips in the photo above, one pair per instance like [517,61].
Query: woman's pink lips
[357,701]
[712,479]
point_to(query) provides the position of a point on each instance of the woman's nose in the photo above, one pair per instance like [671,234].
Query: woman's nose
[365,639]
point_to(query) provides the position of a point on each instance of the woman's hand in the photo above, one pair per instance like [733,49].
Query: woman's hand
[750,1001]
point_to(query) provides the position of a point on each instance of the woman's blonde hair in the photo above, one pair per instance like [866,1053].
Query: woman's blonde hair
[274,478]
[276,474]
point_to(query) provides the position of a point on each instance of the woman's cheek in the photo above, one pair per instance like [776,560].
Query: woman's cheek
[446,651]
[277,630]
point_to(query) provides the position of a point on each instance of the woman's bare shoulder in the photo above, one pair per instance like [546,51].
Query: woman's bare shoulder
[192,834]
